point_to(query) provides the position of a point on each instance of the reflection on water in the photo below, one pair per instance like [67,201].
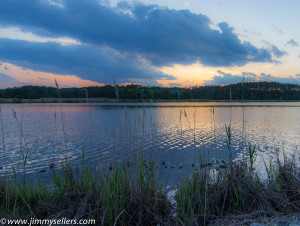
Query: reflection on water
[172,132]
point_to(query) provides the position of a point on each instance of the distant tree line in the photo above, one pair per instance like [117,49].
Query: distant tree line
[239,91]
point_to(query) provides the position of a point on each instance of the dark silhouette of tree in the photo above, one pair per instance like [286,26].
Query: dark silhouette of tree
[249,91]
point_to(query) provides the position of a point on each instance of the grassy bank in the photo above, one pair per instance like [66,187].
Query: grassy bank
[127,195]
[118,196]
[240,194]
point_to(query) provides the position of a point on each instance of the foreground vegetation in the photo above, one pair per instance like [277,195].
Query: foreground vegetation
[240,195]
[239,91]
[127,195]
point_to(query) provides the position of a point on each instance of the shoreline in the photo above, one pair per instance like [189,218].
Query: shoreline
[111,100]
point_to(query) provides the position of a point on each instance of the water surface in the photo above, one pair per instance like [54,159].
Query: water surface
[175,133]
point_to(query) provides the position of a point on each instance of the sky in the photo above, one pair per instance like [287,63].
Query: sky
[148,42]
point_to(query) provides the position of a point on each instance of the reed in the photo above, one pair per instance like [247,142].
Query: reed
[63,123]
[238,190]
[115,197]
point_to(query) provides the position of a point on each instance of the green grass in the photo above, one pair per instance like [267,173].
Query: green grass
[206,198]
[116,196]
[125,196]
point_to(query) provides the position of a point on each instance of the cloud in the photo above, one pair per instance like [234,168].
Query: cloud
[6,78]
[227,78]
[249,75]
[278,53]
[275,51]
[160,36]
[277,29]
[175,84]
[252,32]
[7,81]
[24,76]
[100,64]
[292,42]
[290,79]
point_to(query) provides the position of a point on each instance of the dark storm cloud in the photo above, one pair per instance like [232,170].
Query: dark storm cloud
[90,62]
[160,35]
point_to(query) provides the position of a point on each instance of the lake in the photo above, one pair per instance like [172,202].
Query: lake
[175,133]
